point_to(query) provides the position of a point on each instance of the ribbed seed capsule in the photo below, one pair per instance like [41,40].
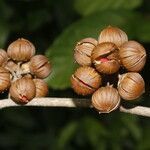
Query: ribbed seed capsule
[114,35]
[22,90]
[41,87]
[85,80]
[106,99]
[40,66]
[105,58]
[83,51]
[21,50]
[4,79]
[133,56]
[131,86]
[3,57]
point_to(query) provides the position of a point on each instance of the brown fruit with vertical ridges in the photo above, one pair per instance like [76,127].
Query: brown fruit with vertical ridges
[22,90]
[131,85]
[21,50]
[114,35]
[4,79]
[106,99]
[40,66]
[85,80]
[105,58]
[133,56]
[41,87]
[83,51]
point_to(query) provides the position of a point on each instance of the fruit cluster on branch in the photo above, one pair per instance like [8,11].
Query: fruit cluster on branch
[22,72]
[101,60]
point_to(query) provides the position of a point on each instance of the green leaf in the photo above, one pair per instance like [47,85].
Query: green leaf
[61,52]
[3,34]
[66,134]
[33,18]
[95,132]
[131,122]
[143,30]
[87,7]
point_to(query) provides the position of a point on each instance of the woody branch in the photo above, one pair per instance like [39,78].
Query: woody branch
[72,102]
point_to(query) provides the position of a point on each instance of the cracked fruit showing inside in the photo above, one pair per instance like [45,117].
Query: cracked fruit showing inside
[22,90]
[40,66]
[105,58]
[85,80]
[83,51]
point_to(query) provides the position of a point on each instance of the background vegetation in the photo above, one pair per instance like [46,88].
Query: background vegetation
[54,27]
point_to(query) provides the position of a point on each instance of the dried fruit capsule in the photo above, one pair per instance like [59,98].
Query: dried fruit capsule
[22,90]
[133,56]
[114,35]
[21,50]
[85,80]
[131,85]
[83,51]
[4,79]
[40,66]
[106,99]
[105,58]
[3,57]
[41,87]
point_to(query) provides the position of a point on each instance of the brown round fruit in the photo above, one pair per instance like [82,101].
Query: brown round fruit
[4,79]
[114,35]
[22,90]
[132,56]
[3,57]
[105,58]
[83,51]
[85,80]
[41,87]
[106,99]
[21,50]
[131,86]
[40,66]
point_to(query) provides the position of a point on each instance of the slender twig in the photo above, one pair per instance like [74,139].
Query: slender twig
[71,102]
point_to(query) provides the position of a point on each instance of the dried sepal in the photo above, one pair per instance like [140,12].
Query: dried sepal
[131,85]
[133,56]
[11,66]
[106,99]
[85,80]
[114,35]
[83,50]
[105,58]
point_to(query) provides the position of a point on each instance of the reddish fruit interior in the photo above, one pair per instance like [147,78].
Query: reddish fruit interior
[83,82]
[104,59]
[24,98]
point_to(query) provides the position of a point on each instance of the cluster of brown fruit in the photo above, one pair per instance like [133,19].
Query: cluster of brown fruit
[111,54]
[22,72]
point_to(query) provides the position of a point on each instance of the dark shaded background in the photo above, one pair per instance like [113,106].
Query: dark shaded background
[52,26]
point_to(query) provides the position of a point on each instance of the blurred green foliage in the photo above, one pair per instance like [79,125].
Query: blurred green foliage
[55,27]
